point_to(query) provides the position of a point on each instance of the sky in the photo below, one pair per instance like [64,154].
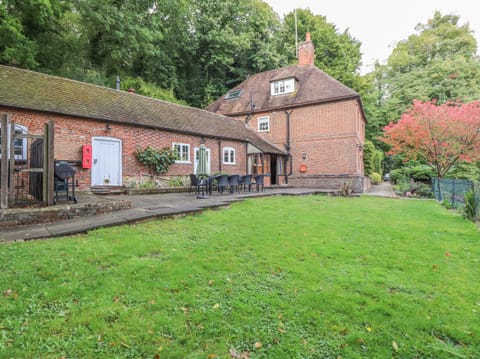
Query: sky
[378,24]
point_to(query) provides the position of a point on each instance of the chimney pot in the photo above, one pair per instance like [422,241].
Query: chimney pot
[131,90]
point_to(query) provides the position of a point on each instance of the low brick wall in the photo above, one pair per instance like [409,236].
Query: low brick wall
[23,216]
[329,182]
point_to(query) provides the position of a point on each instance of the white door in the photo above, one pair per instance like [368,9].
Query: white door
[196,149]
[106,161]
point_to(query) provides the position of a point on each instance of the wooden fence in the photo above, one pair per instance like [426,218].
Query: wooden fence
[15,177]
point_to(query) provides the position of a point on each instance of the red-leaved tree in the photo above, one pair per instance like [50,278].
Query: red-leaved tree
[438,135]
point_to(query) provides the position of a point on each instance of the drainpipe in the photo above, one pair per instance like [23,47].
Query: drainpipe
[287,147]
[220,155]
[246,157]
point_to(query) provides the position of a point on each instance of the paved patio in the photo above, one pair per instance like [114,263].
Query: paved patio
[155,206]
[143,207]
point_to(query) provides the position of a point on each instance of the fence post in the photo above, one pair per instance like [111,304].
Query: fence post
[4,163]
[440,194]
[453,194]
[11,182]
[49,157]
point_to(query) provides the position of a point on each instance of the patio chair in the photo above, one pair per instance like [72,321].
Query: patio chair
[233,181]
[222,183]
[246,181]
[259,182]
[197,183]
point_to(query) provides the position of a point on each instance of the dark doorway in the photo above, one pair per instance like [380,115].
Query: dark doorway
[273,169]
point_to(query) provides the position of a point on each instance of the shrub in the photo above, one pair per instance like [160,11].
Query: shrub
[158,161]
[471,205]
[466,171]
[447,204]
[376,178]
[368,157]
[423,190]
[421,173]
[398,175]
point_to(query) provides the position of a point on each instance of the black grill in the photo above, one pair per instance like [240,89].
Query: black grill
[64,181]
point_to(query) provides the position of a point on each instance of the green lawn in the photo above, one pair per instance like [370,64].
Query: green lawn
[284,277]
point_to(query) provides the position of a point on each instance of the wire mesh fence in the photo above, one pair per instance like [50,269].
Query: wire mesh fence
[453,191]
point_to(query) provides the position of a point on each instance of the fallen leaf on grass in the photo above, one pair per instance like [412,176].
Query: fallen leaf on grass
[216,306]
[395,345]
[281,330]
[212,356]
[447,254]
[258,345]
[7,292]
[368,328]
[242,355]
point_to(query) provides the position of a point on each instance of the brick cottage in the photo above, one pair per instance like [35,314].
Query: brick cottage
[116,124]
[315,119]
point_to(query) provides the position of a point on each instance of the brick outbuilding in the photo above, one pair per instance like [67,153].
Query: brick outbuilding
[315,119]
[116,124]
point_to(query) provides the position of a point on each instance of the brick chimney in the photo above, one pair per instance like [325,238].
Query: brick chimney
[306,52]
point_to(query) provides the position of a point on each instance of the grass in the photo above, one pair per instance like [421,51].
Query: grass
[296,277]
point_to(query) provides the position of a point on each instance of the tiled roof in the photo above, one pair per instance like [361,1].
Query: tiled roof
[312,86]
[35,91]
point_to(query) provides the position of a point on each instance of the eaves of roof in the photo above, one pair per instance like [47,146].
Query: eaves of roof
[296,105]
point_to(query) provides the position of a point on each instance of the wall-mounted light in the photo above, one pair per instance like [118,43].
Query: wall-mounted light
[360,147]
[304,156]
[107,127]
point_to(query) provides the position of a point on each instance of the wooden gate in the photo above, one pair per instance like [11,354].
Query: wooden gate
[30,179]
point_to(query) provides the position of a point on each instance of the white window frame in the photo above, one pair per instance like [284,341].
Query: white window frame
[22,130]
[183,153]
[231,156]
[281,87]
[263,124]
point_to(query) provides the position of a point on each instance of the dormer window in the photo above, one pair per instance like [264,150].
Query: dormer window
[282,86]
[233,94]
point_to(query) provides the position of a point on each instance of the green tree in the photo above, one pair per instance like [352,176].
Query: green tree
[32,33]
[229,40]
[439,63]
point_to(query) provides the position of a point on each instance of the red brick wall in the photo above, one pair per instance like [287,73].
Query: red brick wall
[330,136]
[71,133]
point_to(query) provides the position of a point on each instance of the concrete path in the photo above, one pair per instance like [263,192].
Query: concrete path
[384,189]
[143,207]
